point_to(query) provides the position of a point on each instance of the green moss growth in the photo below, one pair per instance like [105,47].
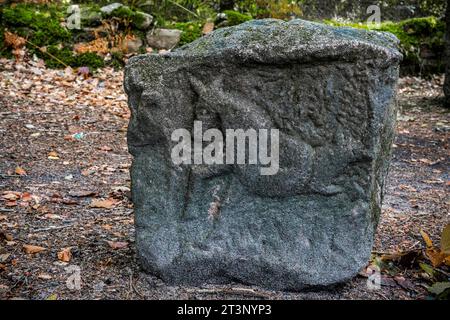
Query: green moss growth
[235,18]
[90,16]
[65,55]
[123,12]
[88,59]
[138,18]
[413,34]
[41,25]
[117,60]
[190,31]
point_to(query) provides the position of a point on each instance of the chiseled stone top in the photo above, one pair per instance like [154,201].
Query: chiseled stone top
[273,40]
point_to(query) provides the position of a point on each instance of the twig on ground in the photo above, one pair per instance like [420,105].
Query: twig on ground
[134,287]
[241,291]
[53,228]
[10,176]
[47,53]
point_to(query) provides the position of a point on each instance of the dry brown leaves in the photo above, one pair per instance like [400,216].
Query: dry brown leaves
[20,171]
[438,256]
[104,204]
[99,45]
[208,27]
[117,245]
[65,254]
[13,40]
[32,249]
[30,80]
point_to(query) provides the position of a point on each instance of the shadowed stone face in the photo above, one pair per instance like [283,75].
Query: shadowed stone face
[330,93]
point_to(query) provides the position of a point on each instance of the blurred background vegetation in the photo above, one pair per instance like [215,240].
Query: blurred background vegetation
[108,38]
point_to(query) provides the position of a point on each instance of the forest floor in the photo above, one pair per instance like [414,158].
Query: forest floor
[64,193]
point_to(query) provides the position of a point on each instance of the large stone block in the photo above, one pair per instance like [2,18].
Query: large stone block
[331,94]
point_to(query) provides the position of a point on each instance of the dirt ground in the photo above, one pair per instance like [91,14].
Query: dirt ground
[64,192]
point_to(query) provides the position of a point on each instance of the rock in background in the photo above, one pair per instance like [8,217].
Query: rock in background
[330,92]
[163,38]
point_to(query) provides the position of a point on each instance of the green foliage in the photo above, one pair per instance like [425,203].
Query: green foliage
[235,18]
[88,59]
[117,60]
[280,9]
[190,31]
[66,55]
[179,10]
[127,16]
[123,12]
[413,34]
[39,24]
[138,18]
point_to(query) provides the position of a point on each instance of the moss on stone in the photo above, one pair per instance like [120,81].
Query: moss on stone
[412,33]
[122,12]
[235,18]
[39,24]
[190,31]
[138,18]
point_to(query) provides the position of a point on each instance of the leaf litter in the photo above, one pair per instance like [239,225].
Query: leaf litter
[59,123]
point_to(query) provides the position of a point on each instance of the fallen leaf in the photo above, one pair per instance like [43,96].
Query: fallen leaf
[31,249]
[447,261]
[439,287]
[69,201]
[52,297]
[208,27]
[44,276]
[52,216]
[405,259]
[26,196]
[4,257]
[428,269]
[427,239]
[12,203]
[445,240]
[65,254]
[104,204]
[81,194]
[53,155]
[10,196]
[105,148]
[20,171]
[117,244]
[435,256]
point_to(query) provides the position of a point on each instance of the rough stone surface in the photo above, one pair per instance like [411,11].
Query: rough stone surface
[143,20]
[108,9]
[133,45]
[90,17]
[330,92]
[163,38]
